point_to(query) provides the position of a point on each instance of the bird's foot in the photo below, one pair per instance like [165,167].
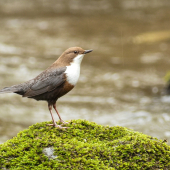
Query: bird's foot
[63,122]
[57,126]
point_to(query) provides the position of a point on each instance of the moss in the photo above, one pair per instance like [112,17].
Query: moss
[167,77]
[84,145]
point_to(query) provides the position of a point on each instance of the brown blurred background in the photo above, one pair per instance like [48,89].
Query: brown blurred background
[121,81]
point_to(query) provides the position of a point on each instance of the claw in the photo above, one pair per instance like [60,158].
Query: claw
[63,122]
[57,126]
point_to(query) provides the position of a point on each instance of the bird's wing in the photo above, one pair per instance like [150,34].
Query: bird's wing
[46,81]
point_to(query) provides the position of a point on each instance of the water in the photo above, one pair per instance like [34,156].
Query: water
[121,81]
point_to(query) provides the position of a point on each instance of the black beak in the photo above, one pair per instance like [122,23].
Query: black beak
[87,51]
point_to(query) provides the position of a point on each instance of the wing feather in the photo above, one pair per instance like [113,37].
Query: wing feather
[46,82]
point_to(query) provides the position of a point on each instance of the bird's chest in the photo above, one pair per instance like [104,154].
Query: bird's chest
[73,73]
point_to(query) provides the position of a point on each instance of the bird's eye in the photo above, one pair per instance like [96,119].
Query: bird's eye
[75,52]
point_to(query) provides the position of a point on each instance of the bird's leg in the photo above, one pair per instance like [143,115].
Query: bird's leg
[62,121]
[54,123]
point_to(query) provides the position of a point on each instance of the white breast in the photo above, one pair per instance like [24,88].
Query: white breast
[73,70]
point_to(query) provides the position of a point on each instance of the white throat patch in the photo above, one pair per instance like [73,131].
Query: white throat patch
[73,70]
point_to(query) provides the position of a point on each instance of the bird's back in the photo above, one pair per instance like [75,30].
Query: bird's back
[46,86]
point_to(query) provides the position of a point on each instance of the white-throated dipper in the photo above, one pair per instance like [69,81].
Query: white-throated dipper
[54,82]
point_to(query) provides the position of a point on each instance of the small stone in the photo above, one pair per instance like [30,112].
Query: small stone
[49,152]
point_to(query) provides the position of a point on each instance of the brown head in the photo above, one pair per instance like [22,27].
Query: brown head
[73,54]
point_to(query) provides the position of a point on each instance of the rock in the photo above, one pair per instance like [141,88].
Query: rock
[84,145]
[49,152]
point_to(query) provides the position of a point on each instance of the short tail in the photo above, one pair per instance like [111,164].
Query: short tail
[13,89]
[8,90]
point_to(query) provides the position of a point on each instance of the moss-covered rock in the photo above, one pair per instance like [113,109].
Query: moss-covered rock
[84,145]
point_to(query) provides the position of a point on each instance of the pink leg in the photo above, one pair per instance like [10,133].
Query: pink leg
[54,123]
[62,121]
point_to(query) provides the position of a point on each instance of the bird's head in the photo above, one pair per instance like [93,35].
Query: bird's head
[73,55]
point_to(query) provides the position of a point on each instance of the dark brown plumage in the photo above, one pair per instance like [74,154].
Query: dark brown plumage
[54,82]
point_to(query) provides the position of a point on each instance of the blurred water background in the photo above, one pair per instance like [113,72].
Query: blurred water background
[121,81]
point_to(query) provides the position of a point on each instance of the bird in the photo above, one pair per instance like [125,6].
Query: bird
[53,83]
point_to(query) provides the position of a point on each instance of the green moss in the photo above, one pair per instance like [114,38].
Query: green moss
[84,145]
[167,77]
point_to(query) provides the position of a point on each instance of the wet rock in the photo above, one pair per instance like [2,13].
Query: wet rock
[83,145]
